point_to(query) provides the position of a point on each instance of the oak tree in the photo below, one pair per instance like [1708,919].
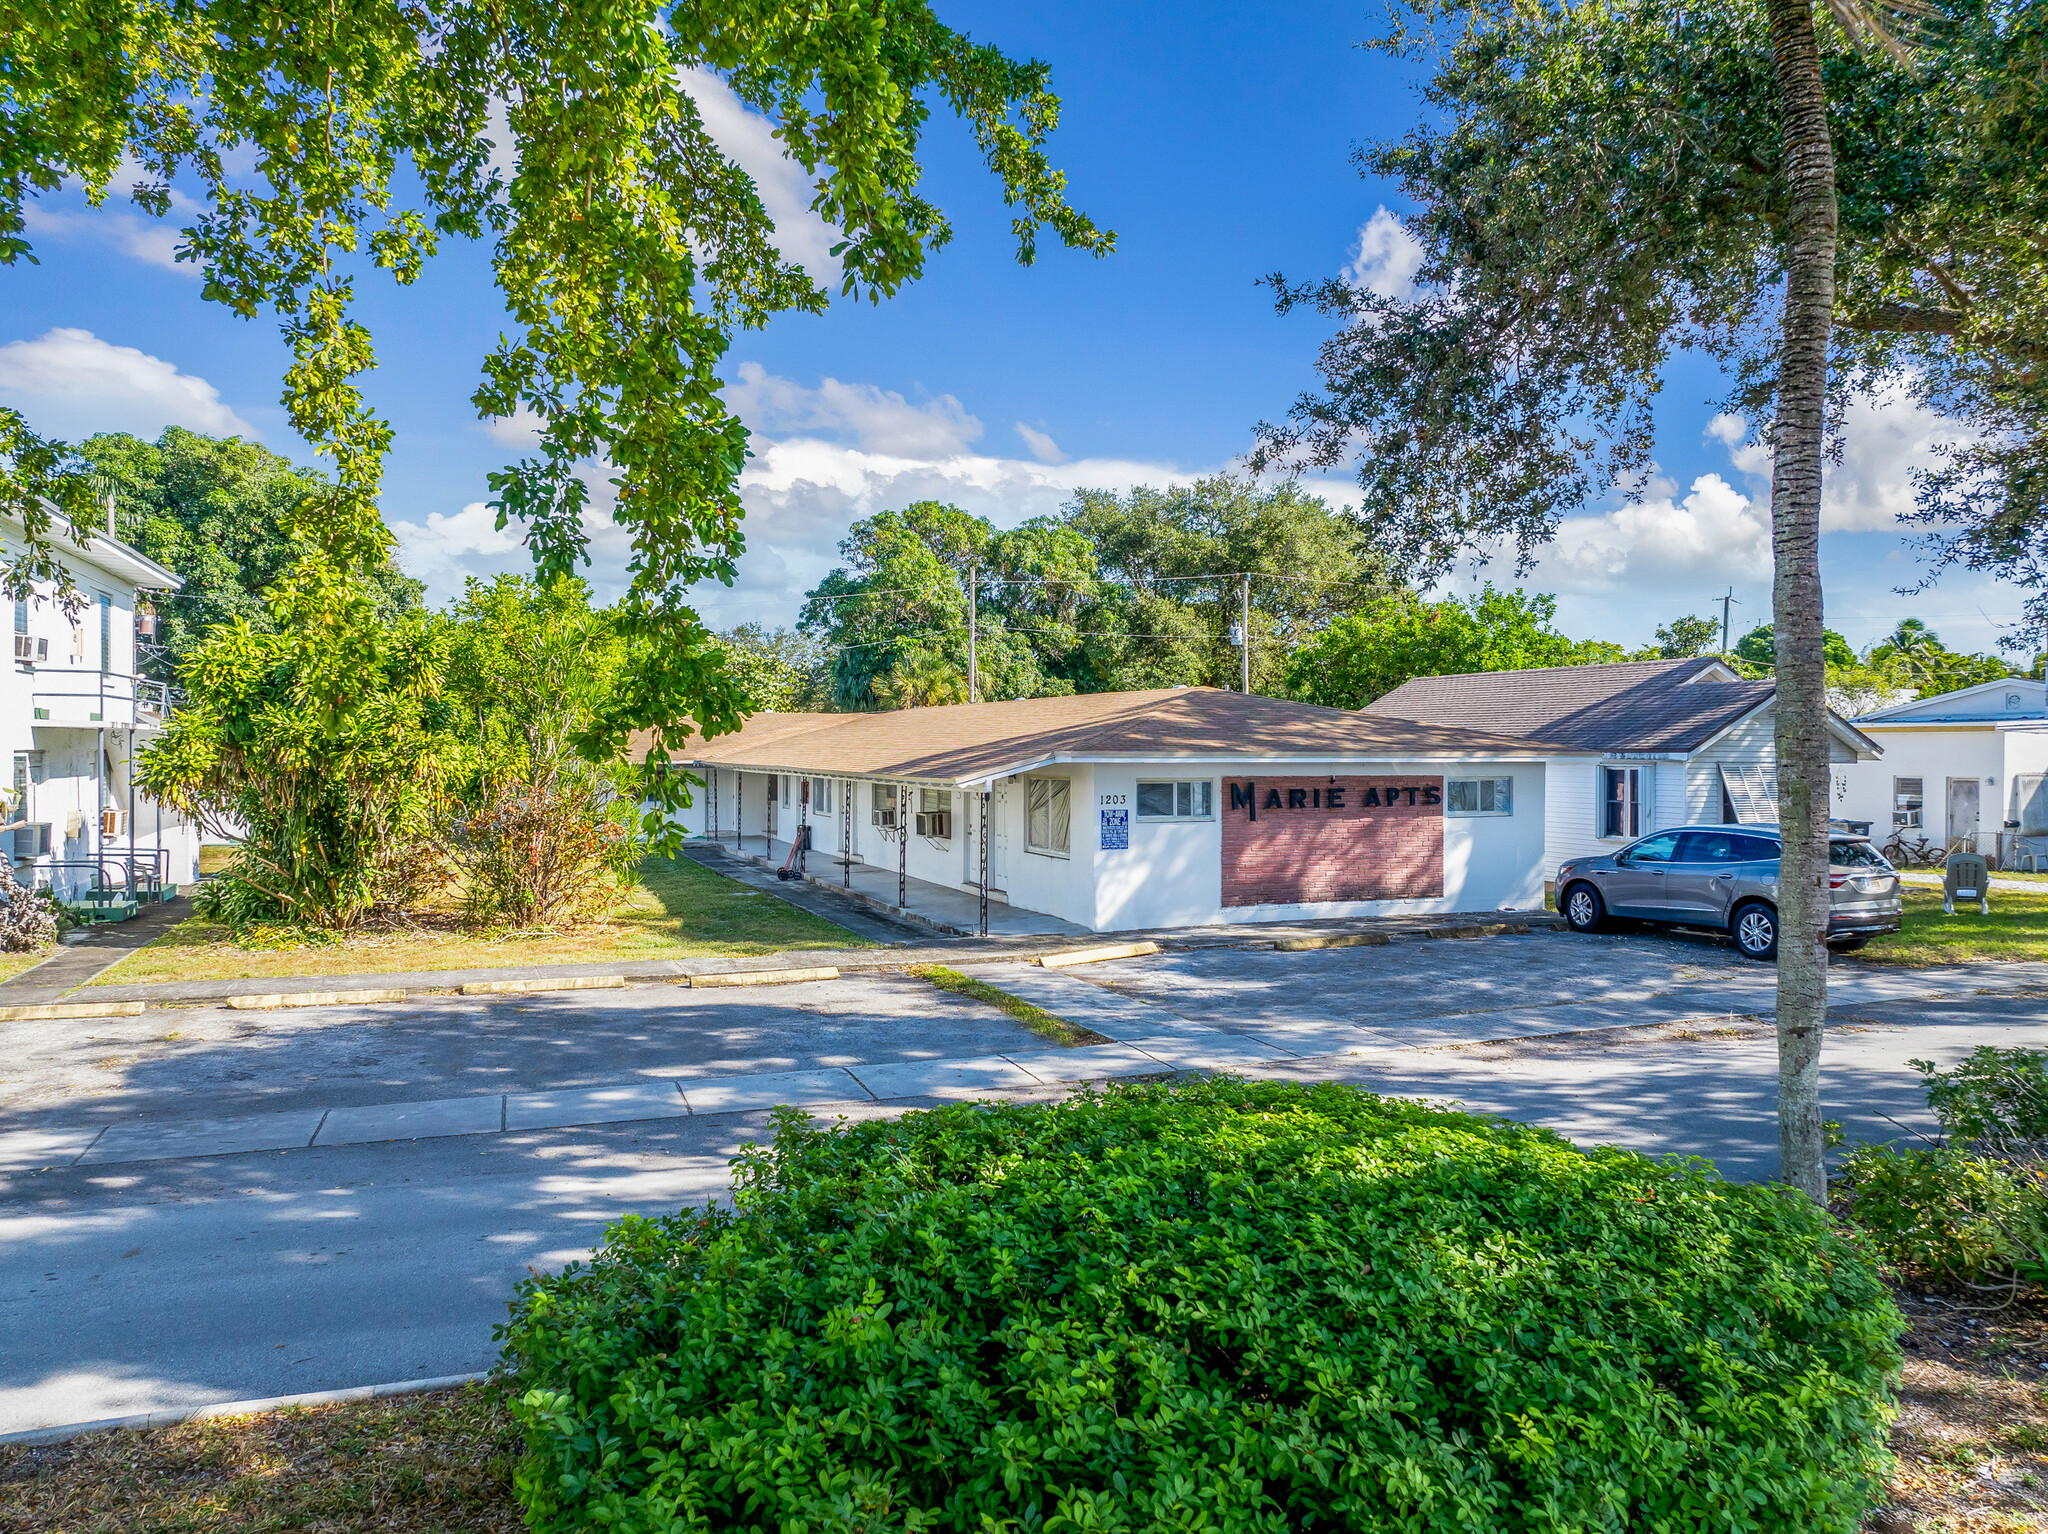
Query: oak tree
[1825,205]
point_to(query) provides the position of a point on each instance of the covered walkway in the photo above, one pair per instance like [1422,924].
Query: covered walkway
[945,908]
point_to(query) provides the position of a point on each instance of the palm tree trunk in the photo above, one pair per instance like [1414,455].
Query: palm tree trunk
[1802,734]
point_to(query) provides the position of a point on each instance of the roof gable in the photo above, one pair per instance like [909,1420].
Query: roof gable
[1982,703]
[1633,706]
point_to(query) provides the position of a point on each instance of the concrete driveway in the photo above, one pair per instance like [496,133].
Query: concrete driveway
[141,1284]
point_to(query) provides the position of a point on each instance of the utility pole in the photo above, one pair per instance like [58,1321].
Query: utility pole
[1245,592]
[1726,602]
[973,623]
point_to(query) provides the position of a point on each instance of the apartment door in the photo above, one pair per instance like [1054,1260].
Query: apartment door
[1962,811]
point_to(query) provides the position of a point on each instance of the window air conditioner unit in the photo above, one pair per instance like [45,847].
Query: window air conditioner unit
[937,824]
[113,822]
[29,839]
[29,648]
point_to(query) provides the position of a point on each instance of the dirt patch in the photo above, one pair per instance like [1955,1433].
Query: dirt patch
[1972,1434]
[441,1461]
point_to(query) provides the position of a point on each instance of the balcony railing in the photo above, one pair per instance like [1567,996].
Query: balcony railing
[79,698]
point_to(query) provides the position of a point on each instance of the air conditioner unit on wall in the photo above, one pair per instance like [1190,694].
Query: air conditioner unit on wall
[29,648]
[937,824]
[28,839]
[113,822]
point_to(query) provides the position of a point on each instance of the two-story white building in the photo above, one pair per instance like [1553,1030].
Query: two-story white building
[74,711]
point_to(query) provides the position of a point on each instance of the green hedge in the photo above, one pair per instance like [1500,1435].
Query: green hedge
[1214,1306]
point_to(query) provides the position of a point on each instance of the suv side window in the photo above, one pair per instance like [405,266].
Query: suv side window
[1756,849]
[1653,849]
[1712,847]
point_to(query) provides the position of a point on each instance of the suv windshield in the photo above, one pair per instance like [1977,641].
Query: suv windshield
[1854,855]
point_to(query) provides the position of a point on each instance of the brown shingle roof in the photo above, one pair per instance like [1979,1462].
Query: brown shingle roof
[967,742]
[1651,705]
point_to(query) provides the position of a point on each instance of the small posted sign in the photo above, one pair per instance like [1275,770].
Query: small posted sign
[1116,830]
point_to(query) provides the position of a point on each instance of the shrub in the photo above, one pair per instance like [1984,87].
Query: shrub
[1997,1098]
[29,918]
[1950,1212]
[1220,1305]
[1973,1210]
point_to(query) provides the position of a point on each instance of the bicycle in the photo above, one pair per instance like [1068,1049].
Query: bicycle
[1917,853]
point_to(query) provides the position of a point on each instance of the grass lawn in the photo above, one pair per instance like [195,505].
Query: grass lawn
[678,911]
[2017,928]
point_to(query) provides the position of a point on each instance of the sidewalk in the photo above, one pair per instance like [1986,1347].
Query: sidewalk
[95,952]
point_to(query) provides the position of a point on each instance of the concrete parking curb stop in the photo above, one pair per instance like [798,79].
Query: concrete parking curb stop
[62,1009]
[1097,955]
[760,977]
[154,1419]
[1341,940]
[272,999]
[563,983]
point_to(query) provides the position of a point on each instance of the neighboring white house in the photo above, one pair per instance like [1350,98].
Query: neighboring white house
[73,713]
[1641,744]
[1174,807]
[1958,768]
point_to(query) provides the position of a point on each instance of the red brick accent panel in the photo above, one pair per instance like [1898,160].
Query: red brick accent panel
[1375,839]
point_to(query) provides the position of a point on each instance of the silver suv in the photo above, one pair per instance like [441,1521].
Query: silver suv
[1726,878]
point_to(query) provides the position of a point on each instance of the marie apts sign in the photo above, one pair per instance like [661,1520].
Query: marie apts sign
[1292,840]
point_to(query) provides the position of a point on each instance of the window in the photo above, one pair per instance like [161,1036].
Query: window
[1048,816]
[28,770]
[1655,849]
[1854,855]
[1479,796]
[21,615]
[1908,800]
[934,813]
[106,632]
[1725,847]
[883,812]
[1176,801]
[1621,801]
[933,800]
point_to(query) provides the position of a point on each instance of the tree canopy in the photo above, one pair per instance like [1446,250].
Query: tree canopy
[216,512]
[1367,653]
[1597,187]
[327,145]
[1113,592]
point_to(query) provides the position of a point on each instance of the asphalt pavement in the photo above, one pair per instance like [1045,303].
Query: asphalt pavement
[136,1284]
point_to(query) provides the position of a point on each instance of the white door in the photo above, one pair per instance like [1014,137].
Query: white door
[1962,812]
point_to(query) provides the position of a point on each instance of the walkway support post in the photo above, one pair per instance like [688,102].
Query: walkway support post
[984,862]
[902,850]
[739,810]
[973,627]
[846,833]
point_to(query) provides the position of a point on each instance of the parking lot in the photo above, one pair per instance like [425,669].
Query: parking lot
[130,1281]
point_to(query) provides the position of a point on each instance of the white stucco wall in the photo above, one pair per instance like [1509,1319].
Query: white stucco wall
[1863,790]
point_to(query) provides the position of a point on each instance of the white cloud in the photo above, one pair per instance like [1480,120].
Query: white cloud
[69,383]
[823,458]
[879,420]
[1386,258]
[521,429]
[148,239]
[1885,438]
[1662,543]
[444,550]
[786,190]
[1043,448]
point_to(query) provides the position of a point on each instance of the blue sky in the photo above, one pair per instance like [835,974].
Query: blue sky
[1216,140]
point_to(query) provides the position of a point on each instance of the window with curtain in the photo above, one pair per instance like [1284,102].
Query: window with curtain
[1048,816]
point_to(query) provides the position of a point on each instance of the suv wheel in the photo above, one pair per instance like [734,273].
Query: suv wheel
[1584,910]
[1755,929]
